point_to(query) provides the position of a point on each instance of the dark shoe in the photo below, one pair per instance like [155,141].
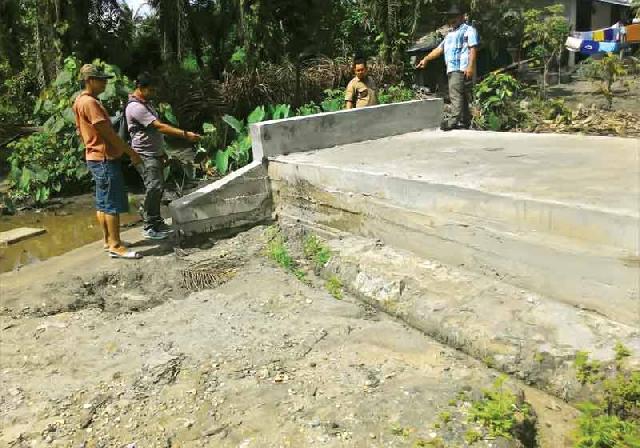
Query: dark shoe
[153,234]
[163,227]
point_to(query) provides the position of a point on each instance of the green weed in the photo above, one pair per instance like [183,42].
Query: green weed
[587,371]
[317,252]
[334,286]
[400,431]
[472,436]
[434,443]
[598,430]
[612,418]
[498,410]
[445,417]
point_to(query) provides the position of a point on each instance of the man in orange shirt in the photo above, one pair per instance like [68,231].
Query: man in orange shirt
[103,151]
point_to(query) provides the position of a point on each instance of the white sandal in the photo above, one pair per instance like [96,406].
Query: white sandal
[129,255]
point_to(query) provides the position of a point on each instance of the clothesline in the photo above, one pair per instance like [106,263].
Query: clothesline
[607,40]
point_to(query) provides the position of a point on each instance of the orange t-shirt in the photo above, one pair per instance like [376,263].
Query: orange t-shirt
[89,112]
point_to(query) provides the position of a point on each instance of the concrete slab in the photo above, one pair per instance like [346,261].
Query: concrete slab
[16,235]
[554,214]
[241,199]
[276,137]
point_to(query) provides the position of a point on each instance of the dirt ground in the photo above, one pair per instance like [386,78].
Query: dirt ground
[220,347]
[626,99]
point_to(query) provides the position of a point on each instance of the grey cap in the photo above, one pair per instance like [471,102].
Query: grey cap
[91,71]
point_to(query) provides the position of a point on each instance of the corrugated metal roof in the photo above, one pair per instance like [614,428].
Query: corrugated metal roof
[617,2]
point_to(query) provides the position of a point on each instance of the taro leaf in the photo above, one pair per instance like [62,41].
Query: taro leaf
[42,175]
[236,124]
[81,171]
[69,116]
[65,77]
[282,111]
[57,186]
[170,117]
[25,178]
[42,194]
[257,115]
[208,128]
[495,124]
[222,161]
[57,125]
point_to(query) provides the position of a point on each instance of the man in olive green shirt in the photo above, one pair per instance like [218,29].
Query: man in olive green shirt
[362,90]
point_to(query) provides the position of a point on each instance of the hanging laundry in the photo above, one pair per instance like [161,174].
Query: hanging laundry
[609,47]
[589,47]
[583,35]
[633,33]
[573,44]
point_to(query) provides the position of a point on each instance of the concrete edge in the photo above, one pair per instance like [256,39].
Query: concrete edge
[325,130]
[546,364]
[240,199]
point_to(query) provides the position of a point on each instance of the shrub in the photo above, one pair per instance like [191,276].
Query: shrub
[496,103]
[498,410]
[51,161]
[604,73]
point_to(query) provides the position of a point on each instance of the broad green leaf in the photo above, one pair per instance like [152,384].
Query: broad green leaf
[257,115]
[64,77]
[166,172]
[170,117]
[25,178]
[236,124]
[208,128]
[69,116]
[222,162]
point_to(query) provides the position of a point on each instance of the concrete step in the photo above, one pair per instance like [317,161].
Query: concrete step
[532,211]
[522,333]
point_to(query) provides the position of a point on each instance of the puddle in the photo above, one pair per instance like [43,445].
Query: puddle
[68,227]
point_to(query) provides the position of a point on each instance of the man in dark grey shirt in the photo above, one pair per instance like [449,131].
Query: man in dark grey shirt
[147,139]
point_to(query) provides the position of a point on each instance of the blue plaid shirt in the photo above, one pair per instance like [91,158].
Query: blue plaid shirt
[456,47]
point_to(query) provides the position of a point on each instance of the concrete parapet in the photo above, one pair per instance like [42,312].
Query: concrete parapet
[241,199]
[299,134]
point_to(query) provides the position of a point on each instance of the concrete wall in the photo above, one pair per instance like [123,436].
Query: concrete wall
[273,138]
[241,199]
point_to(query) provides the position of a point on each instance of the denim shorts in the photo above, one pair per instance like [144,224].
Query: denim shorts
[111,193]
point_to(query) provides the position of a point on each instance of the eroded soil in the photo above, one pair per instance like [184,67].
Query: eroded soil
[220,347]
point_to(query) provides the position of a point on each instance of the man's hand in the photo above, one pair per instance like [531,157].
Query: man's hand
[469,72]
[192,136]
[422,64]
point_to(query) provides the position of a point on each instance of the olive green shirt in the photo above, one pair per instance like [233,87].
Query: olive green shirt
[362,93]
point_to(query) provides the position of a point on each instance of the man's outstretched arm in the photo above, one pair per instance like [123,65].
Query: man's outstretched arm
[435,54]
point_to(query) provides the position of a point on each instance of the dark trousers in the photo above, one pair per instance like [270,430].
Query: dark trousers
[460,95]
[152,172]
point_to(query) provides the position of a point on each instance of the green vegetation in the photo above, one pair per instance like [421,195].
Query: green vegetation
[545,31]
[335,287]
[472,436]
[612,418]
[497,102]
[400,431]
[587,372]
[605,72]
[445,417]
[49,161]
[499,410]
[316,252]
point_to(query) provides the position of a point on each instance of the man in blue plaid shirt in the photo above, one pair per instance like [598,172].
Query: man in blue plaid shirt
[460,50]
